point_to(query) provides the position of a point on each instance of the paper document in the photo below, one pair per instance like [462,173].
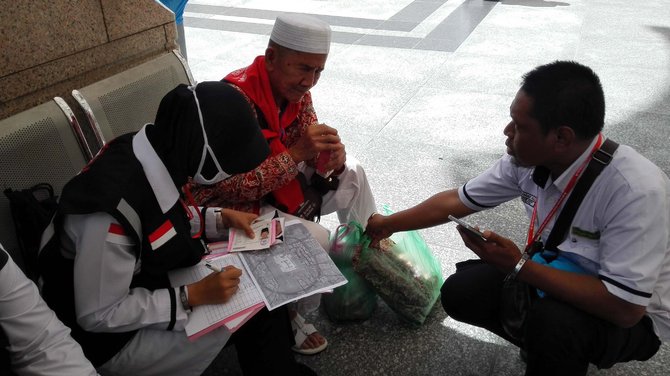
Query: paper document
[268,231]
[294,269]
[217,249]
[206,318]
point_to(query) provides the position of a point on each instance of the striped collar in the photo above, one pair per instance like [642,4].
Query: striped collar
[562,181]
[542,174]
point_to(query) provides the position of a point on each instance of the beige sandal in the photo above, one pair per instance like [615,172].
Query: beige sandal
[302,331]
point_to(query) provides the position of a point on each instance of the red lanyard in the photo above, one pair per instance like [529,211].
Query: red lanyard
[191,202]
[533,236]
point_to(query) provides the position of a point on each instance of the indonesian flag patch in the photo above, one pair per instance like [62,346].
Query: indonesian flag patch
[164,233]
[116,234]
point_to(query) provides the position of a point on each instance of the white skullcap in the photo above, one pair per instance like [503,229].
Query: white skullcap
[302,33]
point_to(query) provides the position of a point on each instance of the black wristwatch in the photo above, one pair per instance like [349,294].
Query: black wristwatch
[183,296]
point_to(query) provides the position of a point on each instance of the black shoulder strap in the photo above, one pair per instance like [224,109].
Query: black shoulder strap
[600,159]
[32,210]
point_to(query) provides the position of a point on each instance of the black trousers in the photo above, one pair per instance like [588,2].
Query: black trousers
[264,343]
[560,339]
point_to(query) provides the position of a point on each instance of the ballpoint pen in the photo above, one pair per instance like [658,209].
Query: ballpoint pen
[213,268]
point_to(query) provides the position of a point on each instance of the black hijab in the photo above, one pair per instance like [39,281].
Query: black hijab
[232,131]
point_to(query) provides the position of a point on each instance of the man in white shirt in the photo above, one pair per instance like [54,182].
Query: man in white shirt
[613,302]
[38,343]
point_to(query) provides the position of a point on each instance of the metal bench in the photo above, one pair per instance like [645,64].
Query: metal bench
[126,101]
[44,144]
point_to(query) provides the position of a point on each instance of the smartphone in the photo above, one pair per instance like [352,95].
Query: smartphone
[466,226]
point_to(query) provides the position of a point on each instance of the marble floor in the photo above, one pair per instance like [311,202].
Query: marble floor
[420,92]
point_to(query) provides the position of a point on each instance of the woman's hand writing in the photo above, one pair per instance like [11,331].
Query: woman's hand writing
[215,288]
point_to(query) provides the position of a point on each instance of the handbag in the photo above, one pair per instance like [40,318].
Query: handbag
[516,296]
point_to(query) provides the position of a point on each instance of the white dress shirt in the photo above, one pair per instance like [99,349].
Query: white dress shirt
[619,233]
[39,343]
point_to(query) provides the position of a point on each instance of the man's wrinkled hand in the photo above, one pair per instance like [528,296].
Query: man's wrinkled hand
[317,138]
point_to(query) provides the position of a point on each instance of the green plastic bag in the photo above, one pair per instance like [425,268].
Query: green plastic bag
[404,273]
[356,300]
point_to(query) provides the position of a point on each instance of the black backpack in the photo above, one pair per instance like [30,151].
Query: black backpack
[32,210]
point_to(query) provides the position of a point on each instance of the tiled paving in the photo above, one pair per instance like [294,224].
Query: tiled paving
[420,92]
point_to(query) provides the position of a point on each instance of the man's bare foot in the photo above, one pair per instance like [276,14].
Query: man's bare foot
[308,341]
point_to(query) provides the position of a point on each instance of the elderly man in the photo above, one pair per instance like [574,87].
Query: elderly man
[606,297]
[308,172]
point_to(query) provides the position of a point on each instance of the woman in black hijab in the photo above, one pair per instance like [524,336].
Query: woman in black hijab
[124,222]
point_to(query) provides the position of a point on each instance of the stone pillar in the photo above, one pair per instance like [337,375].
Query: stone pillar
[49,48]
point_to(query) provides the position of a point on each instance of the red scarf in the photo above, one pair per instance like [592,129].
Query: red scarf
[254,81]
